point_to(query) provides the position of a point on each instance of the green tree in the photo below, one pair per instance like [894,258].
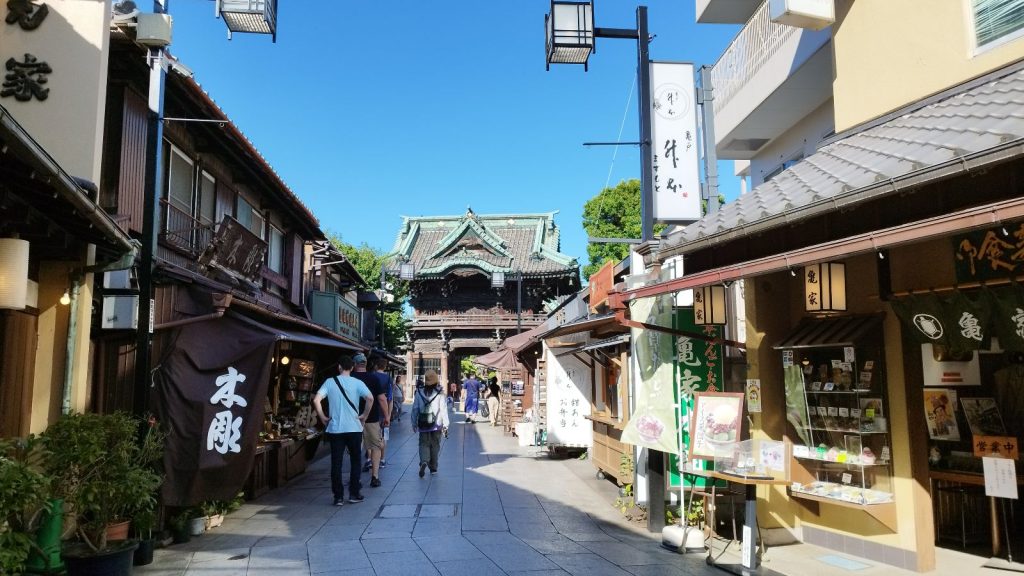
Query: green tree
[367,261]
[613,213]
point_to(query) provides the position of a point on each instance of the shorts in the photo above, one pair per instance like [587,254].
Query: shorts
[373,438]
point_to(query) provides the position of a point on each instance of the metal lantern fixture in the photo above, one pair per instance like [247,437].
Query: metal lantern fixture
[497,279]
[569,28]
[407,271]
[825,287]
[13,273]
[254,16]
[709,305]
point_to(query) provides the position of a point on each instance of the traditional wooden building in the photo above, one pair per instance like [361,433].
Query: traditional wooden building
[458,261]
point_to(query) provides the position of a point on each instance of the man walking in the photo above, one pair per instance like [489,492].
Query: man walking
[378,419]
[379,363]
[430,419]
[471,389]
[344,427]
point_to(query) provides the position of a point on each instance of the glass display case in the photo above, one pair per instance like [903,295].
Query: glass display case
[837,402]
[756,458]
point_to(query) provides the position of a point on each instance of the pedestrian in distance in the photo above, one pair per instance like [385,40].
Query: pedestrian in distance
[379,364]
[471,389]
[398,399]
[430,420]
[493,401]
[344,427]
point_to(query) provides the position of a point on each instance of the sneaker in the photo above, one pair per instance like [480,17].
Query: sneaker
[355,498]
[423,469]
[433,472]
[374,482]
[383,463]
[339,501]
[367,466]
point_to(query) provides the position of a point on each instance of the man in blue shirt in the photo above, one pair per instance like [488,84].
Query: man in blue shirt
[344,427]
[379,418]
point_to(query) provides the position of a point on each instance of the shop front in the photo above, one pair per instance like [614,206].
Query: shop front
[876,346]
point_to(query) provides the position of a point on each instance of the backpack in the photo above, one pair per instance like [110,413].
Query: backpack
[427,418]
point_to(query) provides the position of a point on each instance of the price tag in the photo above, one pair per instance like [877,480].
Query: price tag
[801,451]
[848,354]
[885,454]
[844,412]
[822,411]
[869,365]
[787,358]
[833,411]
[855,412]
[847,477]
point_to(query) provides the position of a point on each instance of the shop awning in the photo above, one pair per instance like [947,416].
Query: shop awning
[830,332]
[521,341]
[502,359]
[292,335]
[613,341]
[582,325]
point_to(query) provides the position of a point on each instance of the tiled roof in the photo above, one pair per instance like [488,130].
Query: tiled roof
[866,164]
[497,242]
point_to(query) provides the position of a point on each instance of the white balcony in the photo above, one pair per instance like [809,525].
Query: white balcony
[769,78]
[725,11]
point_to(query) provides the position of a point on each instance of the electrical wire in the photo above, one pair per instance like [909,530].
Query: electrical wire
[618,138]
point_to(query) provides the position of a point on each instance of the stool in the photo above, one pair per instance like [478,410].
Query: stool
[958,511]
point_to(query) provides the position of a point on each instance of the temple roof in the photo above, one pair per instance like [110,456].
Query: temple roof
[437,245]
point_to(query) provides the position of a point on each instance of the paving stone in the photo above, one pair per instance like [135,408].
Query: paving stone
[405,563]
[623,554]
[552,544]
[438,510]
[389,528]
[476,567]
[382,545]
[484,522]
[398,511]
[586,565]
[448,548]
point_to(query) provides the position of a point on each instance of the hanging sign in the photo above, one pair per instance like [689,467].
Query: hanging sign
[996,446]
[673,115]
[988,254]
[653,421]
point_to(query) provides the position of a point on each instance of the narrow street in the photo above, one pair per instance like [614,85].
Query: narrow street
[494,508]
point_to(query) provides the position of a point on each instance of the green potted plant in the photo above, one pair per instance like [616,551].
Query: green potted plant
[24,507]
[179,525]
[101,464]
[143,523]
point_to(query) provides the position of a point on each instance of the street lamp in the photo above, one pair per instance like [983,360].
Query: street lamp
[498,281]
[570,39]
[407,272]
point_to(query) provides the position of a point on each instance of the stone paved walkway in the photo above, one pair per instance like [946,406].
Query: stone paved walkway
[494,508]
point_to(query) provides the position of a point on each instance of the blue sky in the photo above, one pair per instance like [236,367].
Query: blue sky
[374,110]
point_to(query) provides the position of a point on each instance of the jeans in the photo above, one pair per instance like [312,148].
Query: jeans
[430,447]
[339,443]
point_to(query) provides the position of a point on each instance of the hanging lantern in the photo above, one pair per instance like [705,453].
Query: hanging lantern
[709,305]
[825,287]
[13,273]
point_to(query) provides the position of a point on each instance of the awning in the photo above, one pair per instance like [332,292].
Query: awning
[292,335]
[521,341]
[830,332]
[582,325]
[613,341]
[502,359]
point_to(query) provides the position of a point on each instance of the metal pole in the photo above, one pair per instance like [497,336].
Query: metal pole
[643,73]
[519,301]
[383,283]
[150,223]
[707,109]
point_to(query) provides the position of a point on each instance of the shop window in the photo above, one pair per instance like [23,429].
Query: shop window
[180,171]
[997,21]
[612,374]
[207,208]
[275,253]
[249,217]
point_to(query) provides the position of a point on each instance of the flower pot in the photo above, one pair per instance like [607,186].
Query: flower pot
[197,526]
[46,560]
[214,521]
[114,561]
[144,553]
[118,530]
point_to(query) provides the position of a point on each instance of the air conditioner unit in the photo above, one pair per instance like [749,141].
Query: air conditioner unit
[153,29]
[811,14]
[120,313]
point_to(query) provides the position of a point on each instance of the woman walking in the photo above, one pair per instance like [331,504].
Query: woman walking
[493,401]
[430,420]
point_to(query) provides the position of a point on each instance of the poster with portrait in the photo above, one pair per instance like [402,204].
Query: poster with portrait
[940,412]
[983,416]
[715,422]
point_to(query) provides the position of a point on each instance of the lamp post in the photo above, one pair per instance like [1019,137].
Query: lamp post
[498,281]
[407,272]
[570,32]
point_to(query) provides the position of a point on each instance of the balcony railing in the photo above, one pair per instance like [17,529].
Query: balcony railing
[474,320]
[184,231]
[750,50]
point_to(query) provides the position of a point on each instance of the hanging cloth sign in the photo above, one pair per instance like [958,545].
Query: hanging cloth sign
[653,422]
[1008,316]
[956,321]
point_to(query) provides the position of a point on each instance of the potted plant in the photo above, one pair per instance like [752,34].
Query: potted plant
[143,522]
[101,464]
[180,526]
[24,507]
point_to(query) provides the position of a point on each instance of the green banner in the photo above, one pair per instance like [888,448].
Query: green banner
[698,368]
[1008,316]
[955,320]
[653,421]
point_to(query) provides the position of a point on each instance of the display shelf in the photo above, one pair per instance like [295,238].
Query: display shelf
[859,464]
[883,512]
[845,430]
[839,391]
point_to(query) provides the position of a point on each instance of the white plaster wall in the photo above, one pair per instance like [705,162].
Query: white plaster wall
[74,40]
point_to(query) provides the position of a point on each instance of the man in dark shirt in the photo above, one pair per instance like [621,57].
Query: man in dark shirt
[378,419]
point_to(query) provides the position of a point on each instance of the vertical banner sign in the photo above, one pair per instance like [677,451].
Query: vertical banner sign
[569,396]
[698,368]
[674,143]
[653,422]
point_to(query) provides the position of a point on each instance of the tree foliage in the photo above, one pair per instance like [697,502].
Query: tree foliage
[367,261]
[613,213]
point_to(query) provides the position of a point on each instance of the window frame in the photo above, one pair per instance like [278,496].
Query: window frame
[978,49]
[172,150]
[274,231]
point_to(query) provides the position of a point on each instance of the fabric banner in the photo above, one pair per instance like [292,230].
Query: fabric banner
[796,402]
[955,321]
[653,421]
[1008,316]
[211,397]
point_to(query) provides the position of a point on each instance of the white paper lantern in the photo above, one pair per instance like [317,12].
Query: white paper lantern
[13,273]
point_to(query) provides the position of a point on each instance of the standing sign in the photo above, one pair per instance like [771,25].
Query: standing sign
[674,143]
[1000,477]
[568,388]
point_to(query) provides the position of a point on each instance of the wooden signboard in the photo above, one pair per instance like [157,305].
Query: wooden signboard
[1001,446]
[601,284]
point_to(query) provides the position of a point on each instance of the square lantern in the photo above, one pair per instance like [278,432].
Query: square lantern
[13,273]
[407,271]
[825,287]
[569,30]
[709,305]
[497,279]
[253,16]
